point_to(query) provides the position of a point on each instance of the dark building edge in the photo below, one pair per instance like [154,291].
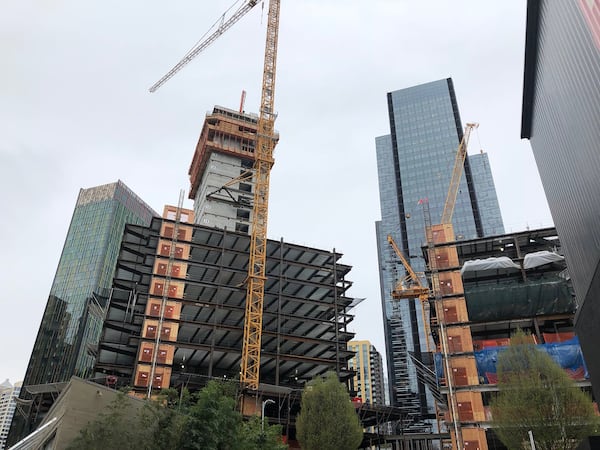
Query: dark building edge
[402,219]
[531,50]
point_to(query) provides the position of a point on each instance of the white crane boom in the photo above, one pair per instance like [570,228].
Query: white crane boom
[198,48]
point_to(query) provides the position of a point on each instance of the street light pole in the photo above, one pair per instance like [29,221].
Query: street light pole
[262,414]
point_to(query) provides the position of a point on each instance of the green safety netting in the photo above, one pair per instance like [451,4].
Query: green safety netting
[513,299]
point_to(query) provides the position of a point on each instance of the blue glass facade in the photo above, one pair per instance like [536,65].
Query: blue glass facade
[414,163]
[73,317]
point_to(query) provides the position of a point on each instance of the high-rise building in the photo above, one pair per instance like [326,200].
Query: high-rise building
[415,162]
[221,176]
[68,335]
[561,113]
[8,403]
[368,365]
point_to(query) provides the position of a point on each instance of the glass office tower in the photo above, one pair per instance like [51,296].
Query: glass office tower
[415,163]
[68,335]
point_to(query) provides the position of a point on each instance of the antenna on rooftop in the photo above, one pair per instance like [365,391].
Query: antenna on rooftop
[242,101]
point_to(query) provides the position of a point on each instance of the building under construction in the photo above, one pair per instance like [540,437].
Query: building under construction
[221,177]
[177,317]
[486,290]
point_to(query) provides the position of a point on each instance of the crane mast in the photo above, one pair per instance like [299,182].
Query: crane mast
[265,143]
[459,161]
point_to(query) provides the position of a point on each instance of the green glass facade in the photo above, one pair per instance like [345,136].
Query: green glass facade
[68,336]
[72,321]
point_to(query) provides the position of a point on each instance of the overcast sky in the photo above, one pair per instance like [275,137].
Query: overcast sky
[75,112]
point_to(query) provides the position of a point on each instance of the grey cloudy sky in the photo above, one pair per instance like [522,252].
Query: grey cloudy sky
[75,112]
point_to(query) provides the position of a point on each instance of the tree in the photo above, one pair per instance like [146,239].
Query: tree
[207,420]
[115,428]
[253,437]
[535,394]
[327,419]
[213,423]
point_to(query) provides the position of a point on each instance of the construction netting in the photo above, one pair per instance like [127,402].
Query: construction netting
[512,299]
[566,354]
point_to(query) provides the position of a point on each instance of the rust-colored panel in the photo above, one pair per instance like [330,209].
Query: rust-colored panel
[161,269]
[170,311]
[455,344]
[154,309]
[158,289]
[162,356]
[472,445]
[460,376]
[146,354]
[450,314]
[142,378]
[465,412]
[165,333]
[150,331]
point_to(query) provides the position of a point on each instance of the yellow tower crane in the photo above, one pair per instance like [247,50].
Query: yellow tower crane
[409,286]
[265,144]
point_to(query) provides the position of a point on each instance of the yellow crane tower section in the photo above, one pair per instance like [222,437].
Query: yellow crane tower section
[265,144]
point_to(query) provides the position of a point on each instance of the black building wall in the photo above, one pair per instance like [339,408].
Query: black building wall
[561,118]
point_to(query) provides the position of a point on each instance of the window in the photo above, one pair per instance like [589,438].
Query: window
[241,227]
[243,214]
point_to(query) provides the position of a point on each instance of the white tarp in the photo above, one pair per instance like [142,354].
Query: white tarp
[537,259]
[502,262]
